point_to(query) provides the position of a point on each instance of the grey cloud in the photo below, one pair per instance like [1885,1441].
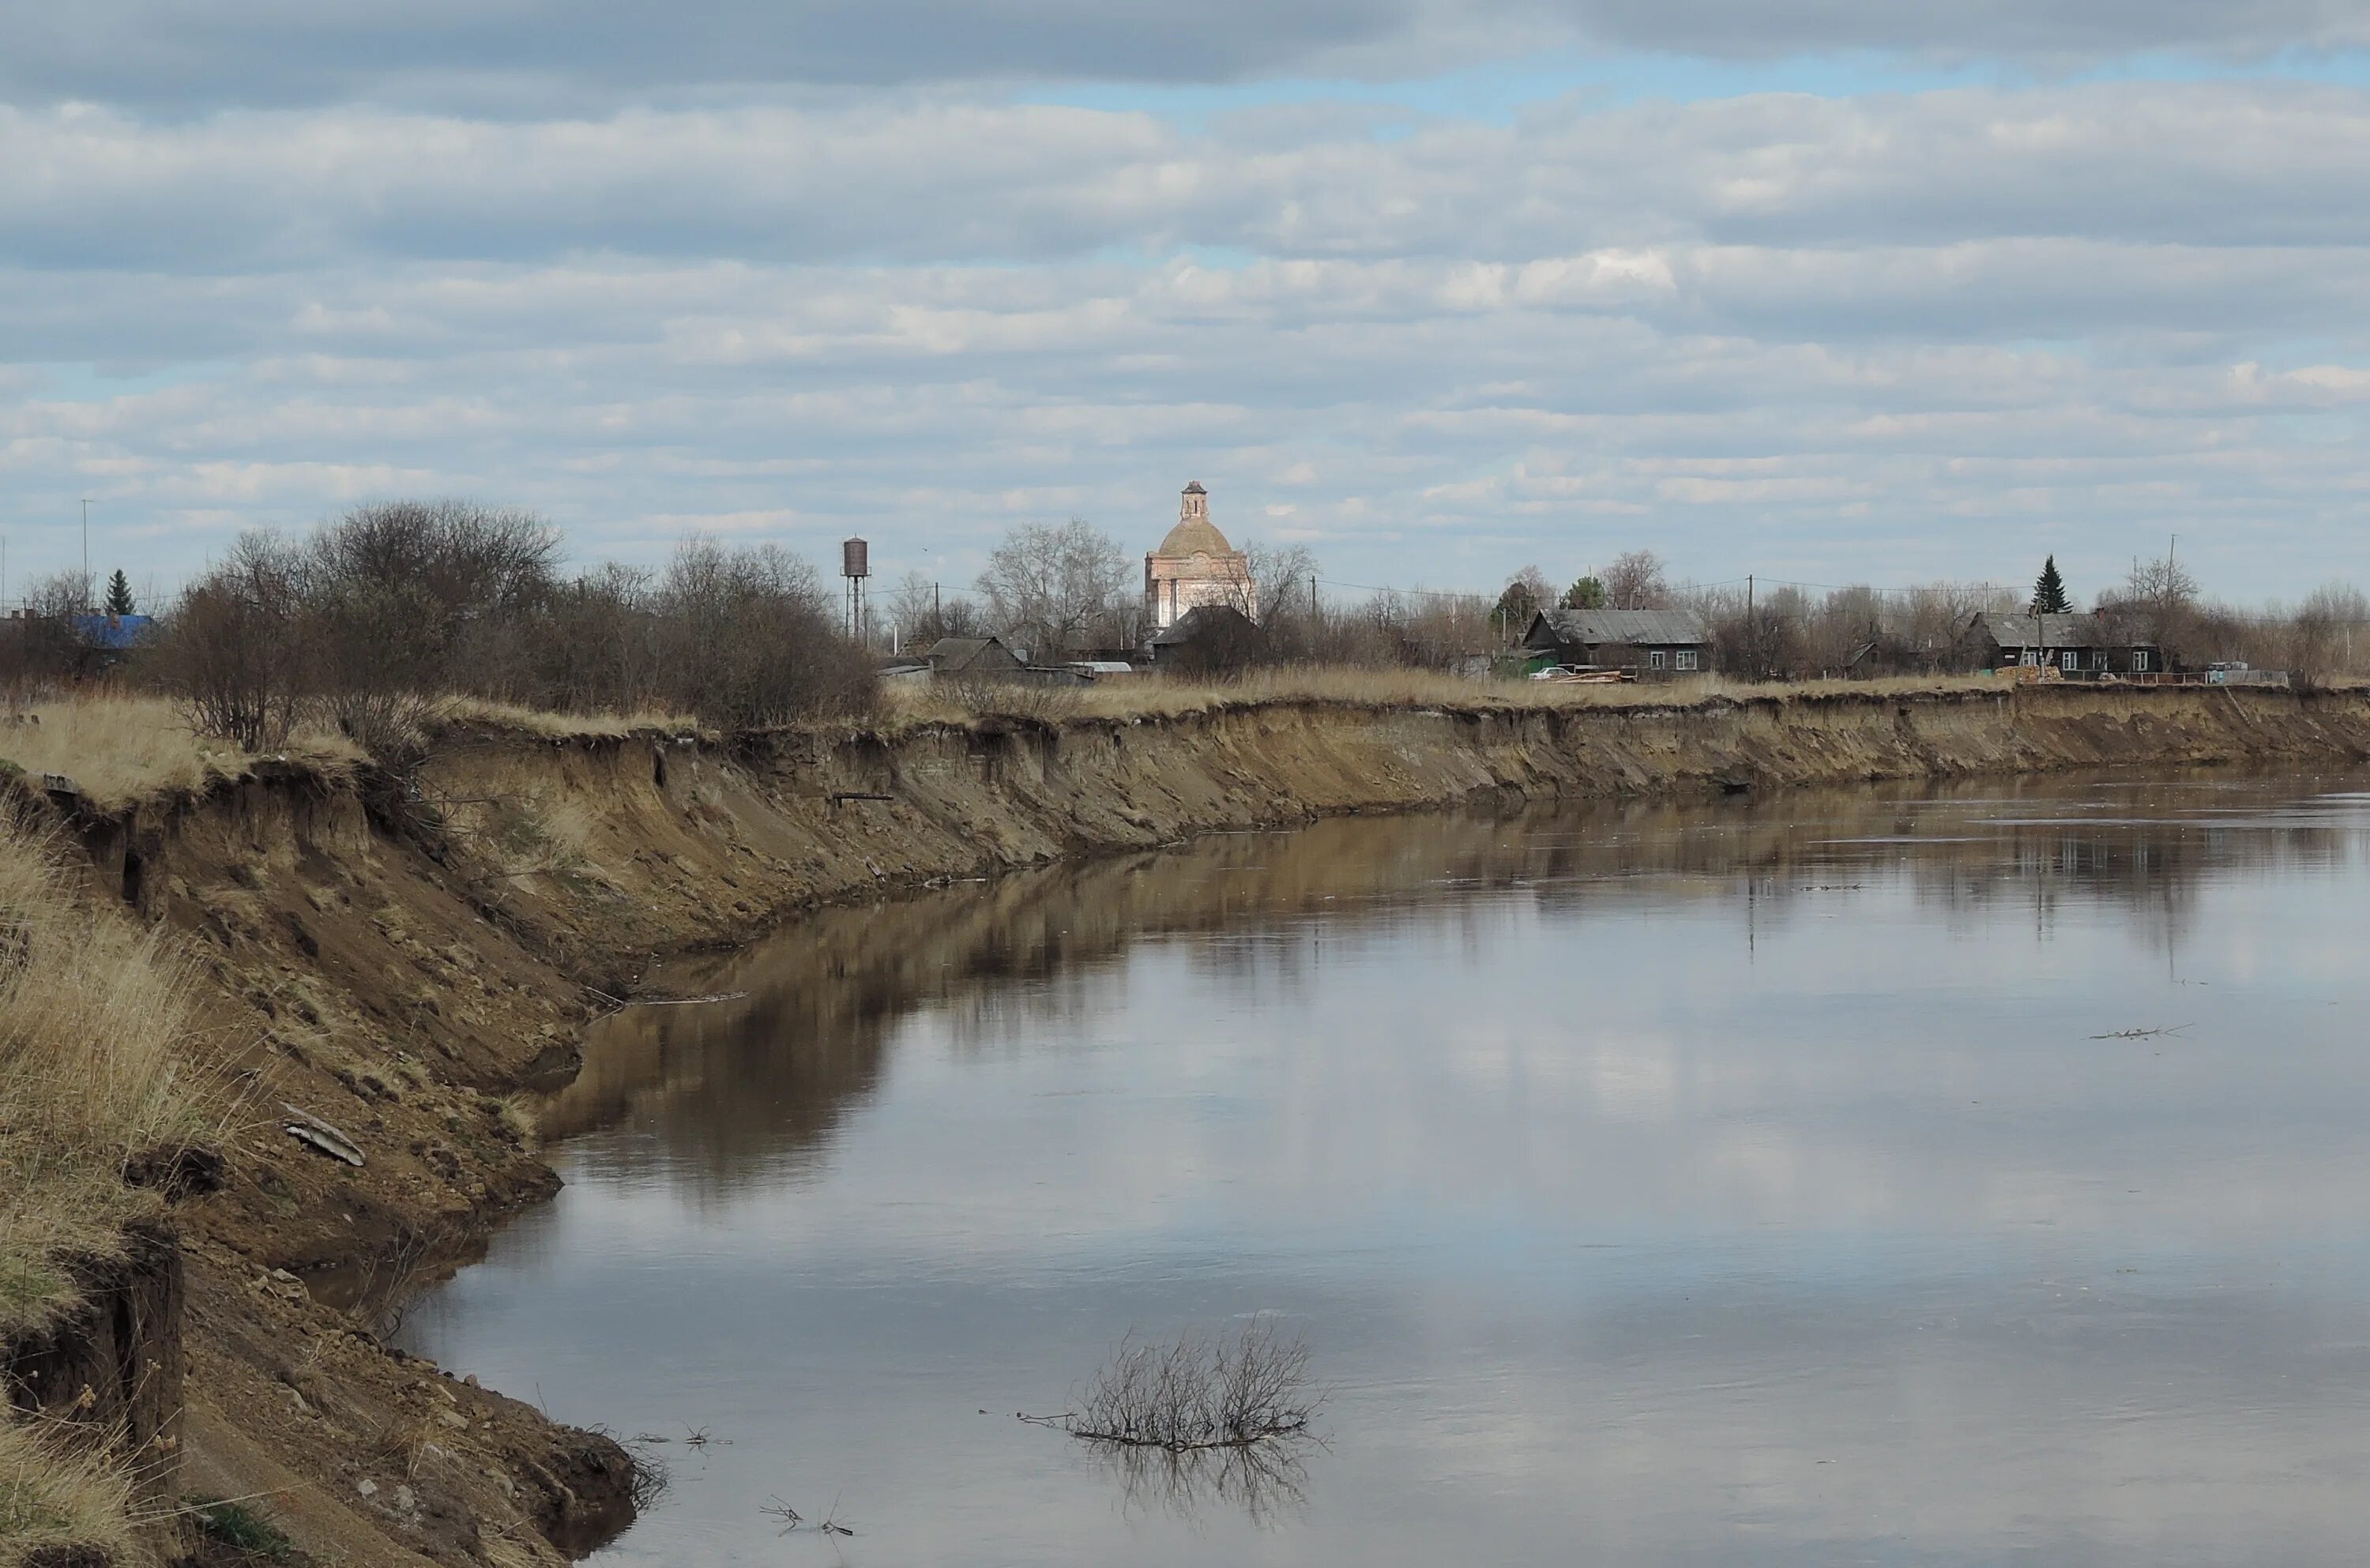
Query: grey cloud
[272,51]
[931,407]
[501,54]
[2049,30]
[923,181]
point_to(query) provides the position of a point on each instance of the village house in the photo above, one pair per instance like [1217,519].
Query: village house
[2089,645]
[1651,644]
[1195,566]
[972,657]
[1207,637]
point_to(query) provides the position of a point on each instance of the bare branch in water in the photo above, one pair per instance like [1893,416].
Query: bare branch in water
[1198,1393]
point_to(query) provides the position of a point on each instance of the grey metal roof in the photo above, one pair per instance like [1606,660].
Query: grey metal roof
[2053,631]
[1625,625]
[957,653]
[1196,621]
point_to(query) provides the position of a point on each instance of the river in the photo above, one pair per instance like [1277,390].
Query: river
[1757,1180]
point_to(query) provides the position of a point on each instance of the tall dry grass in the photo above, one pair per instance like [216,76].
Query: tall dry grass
[59,1498]
[488,714]
[911,704]
[101,1059]
[120,748]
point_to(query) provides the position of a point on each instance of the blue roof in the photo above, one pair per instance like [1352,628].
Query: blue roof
[113,631]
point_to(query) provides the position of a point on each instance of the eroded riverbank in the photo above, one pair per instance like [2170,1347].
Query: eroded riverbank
[403,962]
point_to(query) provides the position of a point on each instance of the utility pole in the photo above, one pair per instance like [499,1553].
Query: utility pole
[85,555]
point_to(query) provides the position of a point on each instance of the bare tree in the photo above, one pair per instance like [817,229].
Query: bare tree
[237,649]
[1638,581]
[1061,589]
[1275,591]
[2155,604]
[922,612]
[1525,594]
[2328,626]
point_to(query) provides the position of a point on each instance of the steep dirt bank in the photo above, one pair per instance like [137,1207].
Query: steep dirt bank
[394,963]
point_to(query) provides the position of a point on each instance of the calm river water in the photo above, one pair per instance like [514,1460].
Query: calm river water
[1757,1182]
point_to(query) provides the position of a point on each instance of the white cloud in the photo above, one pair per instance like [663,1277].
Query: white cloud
[1897,336]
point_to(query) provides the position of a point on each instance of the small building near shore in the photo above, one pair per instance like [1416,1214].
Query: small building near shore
[2079,645]
[1651,644]
[1207,639]
[974,658]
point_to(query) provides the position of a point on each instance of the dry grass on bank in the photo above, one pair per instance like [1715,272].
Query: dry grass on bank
[58,1498]
[121,749]
[101,1061]
[100,1053]
[906,704]
[509,716]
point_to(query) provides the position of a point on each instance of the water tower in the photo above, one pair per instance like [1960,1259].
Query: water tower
[854,565]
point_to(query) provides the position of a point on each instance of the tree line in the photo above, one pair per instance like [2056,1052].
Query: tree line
[368,619]
[1783,631]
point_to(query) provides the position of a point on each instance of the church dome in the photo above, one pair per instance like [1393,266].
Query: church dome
[1194,533]
[1194,536]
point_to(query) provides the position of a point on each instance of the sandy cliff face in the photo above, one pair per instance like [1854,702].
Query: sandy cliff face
[393,961]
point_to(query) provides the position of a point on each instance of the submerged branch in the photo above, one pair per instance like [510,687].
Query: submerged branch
[1196,1395]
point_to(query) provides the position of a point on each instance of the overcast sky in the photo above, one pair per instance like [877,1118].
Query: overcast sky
[1834,290]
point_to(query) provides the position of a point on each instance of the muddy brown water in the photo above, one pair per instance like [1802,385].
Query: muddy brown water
[1730,1183]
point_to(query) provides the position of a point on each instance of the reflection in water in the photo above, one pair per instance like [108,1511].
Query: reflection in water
[1266,1483]
[1731,1182]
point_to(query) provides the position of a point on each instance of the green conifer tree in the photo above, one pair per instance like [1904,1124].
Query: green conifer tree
[118,594]
[2049,592]
[1588,594]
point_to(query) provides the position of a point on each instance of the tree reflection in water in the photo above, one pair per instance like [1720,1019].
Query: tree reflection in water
[1266,1483]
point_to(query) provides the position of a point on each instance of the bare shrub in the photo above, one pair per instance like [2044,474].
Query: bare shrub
[1030,702]
[922,612]
[1194,1393]
[594,646]
[234,650]
[412,595]
[747,639]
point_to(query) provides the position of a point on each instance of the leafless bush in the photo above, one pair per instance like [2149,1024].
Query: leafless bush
[235,652]
[408,600]
[1029,700]
[1195,1393]
[747,639]
[376,618]
[1415,631]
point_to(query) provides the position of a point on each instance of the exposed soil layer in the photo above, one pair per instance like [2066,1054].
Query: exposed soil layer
[392,963]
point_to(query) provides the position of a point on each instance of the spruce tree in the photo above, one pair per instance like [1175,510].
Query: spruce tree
[2049,592]
[118,594]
